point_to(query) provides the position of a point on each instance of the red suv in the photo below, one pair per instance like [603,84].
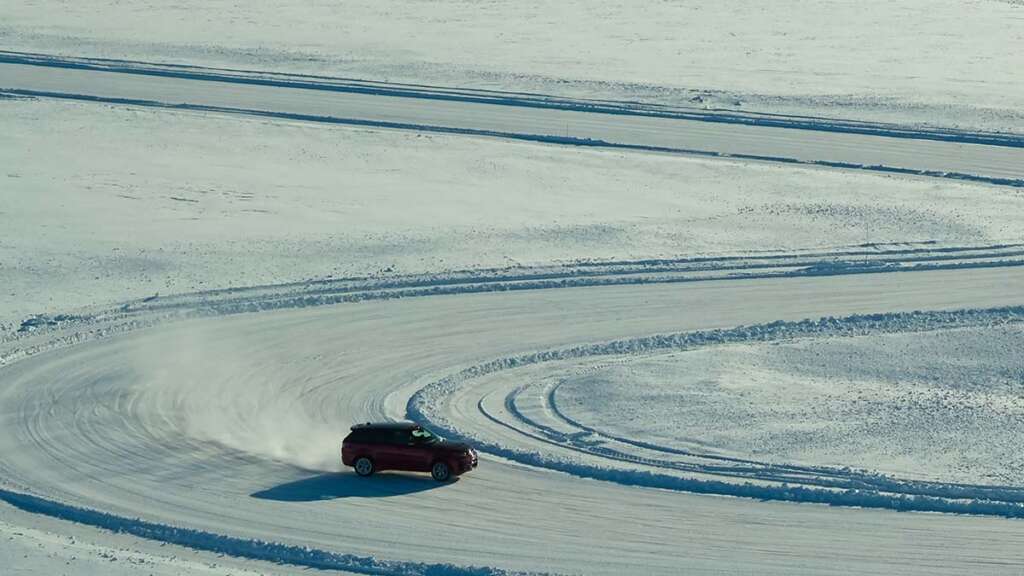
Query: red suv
[405,446]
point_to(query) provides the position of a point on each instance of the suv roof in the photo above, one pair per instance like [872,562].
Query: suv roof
[386,426]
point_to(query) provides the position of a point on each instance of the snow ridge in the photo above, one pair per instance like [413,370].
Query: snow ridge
[526,137]
[505,98]
[872,258]
[241,547]
[837,487]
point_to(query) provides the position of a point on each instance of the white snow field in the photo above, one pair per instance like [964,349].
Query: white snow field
[33,544]
[168,202]
[687,331]
[229,426]
[939,62]
[941,406]
[948,153]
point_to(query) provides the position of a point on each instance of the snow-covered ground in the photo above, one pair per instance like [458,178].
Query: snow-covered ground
[32,544]
[167,202]
[940,405]
[195,306]
[183,425]
[924,429]
[913,61]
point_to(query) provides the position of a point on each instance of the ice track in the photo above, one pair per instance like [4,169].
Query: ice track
[516,415]
[213,420]
[994,158]
[183,420]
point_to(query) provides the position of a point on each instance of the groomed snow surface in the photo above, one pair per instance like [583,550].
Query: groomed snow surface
[169,202]
[940,405]
[32,544]
[909,62]
[520,394]
[669,363]
[223,432]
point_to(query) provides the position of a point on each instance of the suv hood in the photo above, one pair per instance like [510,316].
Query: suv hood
[453,446]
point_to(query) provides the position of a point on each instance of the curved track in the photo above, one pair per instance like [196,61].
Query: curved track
[231,425]
[509,407]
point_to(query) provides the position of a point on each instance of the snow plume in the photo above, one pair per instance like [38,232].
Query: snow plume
[210,392]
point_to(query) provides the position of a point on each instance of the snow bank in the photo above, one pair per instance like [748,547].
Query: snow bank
[942,405]
[239,547]
[865,490]
[144,211]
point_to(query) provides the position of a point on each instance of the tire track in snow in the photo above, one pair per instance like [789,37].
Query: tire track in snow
[755,479]
[989,158]
[671,298]
[303,556]
[521,99]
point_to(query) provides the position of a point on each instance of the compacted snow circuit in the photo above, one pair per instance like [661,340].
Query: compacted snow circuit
[779,411]
[942,405]
[223,432]
[731,387]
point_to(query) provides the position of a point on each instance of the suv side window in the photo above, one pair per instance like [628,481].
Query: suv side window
[381,436]
[400,437]
[385,436]
[360,437]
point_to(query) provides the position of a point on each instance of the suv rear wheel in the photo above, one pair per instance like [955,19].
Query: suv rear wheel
[440,471]
[363,466]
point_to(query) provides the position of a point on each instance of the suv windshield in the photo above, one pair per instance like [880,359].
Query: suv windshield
[424,436]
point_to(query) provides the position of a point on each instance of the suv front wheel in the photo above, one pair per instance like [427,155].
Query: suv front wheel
[440,471]
[363,466]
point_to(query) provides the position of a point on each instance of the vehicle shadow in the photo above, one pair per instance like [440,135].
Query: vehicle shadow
[346,485]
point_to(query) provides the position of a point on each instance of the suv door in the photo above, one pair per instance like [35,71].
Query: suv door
[396,451]
[421,453]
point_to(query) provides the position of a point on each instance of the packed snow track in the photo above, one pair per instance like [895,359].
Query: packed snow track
[227,429]
[996,158]
[214,419]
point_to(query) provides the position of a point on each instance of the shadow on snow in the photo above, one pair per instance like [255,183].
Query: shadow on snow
[345,485]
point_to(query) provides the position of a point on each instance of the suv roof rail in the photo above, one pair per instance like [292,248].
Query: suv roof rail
[391,425]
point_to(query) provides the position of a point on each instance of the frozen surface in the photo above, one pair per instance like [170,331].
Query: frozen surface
[166,202]
[33,545]
[181,425]
[914,61]
[940,405]
[192,419]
